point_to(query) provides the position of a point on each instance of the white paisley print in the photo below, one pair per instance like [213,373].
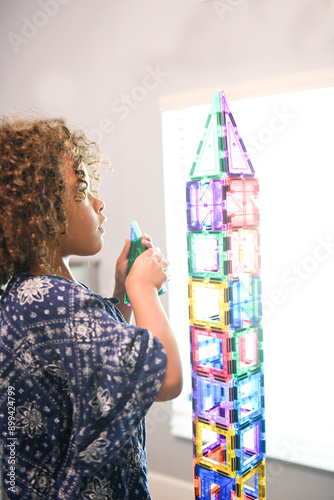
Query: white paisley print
[96,450]
[83,381]
[33,289]
[29,419]
[102,402]
[98,490]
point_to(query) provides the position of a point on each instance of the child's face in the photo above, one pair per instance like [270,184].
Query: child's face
[84,235]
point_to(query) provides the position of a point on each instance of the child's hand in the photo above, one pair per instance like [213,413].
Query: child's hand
[122,265]
[148,270]
[122,261]
[146,240]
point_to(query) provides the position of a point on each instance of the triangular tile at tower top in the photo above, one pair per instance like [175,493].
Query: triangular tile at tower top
[236,158]
[209,159]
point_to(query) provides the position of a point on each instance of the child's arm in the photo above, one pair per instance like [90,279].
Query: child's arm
[145,279]
[120,277]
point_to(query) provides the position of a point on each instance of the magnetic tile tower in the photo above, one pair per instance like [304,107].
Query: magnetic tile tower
[224,289]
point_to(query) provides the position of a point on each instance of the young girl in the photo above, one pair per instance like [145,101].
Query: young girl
[75,379]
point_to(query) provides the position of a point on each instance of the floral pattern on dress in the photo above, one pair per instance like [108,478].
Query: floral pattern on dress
[25,357]
[96,451]
[60,372]
[34,289]
[82,332]
[29,419]
[102,402]
[84,327]
[98,490]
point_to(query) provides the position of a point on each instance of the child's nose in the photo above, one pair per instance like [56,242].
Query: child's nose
[101,206]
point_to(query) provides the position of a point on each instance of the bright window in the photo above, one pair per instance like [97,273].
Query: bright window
[289,139]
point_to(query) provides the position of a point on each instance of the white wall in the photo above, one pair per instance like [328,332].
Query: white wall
[79,59]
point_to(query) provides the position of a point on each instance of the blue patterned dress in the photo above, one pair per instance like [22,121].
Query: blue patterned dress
[81,381]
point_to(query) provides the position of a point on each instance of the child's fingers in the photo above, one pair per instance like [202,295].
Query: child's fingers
[165,268]
[146,240]
[125,251]
[157,254]
[150,267]
[122,263]
[165,265]
[160,259]
[167,273]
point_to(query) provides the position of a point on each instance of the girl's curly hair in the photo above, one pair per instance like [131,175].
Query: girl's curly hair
[32,155]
